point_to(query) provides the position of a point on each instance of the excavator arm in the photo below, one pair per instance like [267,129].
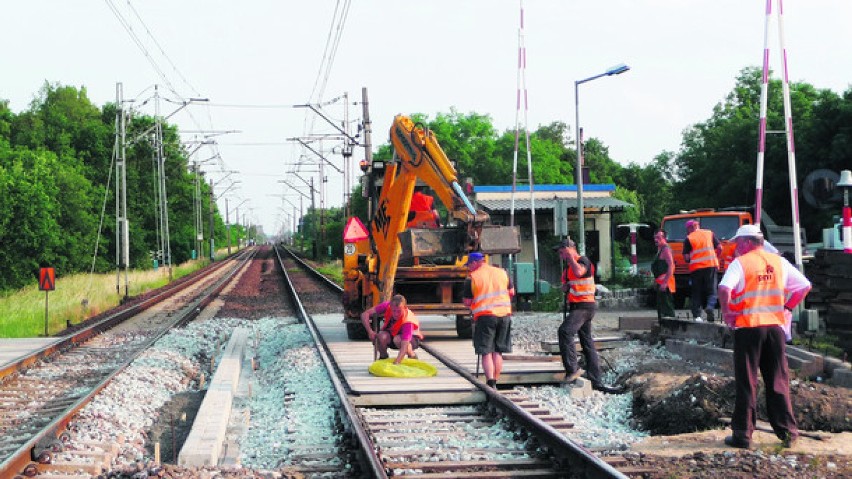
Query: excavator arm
[427,265]
[419,156]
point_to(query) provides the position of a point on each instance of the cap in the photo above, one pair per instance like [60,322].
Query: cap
[748,231]
[566,243]
[689,223]
[475,256]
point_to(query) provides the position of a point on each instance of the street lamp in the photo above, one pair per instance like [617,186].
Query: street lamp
[616,70]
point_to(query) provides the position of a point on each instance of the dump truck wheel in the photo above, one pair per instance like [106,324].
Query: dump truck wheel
[464,326]
[356,331]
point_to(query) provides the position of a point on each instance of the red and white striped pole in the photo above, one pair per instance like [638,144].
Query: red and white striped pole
[764,90]
[846,184]
[788,130]
[634,263]
[791,145]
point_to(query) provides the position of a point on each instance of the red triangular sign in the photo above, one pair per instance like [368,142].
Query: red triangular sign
[354,231]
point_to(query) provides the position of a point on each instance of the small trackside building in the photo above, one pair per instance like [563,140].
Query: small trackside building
[598,207]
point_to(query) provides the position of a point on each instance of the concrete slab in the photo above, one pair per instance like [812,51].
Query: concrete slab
[205,443]
[842,377]
[636,323]
[699,352]
[11,349]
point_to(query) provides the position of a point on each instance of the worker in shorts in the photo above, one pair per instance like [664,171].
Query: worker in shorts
[488,293]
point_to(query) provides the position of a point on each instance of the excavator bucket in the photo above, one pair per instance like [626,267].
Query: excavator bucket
[418,242]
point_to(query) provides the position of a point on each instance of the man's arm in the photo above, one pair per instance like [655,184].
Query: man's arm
[467,294]
[365,320]
[797,285]
[729,281]
[666,255]
[577,267]
[724,295]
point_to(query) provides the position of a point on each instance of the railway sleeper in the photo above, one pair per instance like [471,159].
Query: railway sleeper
[444,467]
[537,473]
[439,428]
[431,411]
[71,467]
[425,422]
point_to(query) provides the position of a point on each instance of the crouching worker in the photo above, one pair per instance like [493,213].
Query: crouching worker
[400,329]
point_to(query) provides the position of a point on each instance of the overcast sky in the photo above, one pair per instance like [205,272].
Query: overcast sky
[413,57]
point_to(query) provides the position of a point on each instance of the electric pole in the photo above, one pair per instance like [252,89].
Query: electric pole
[122,235]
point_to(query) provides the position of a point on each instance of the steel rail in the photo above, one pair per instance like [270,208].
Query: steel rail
[577,457]
[19,459]
[122,312]
[368,448]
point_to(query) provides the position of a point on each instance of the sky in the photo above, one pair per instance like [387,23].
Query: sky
[254,60]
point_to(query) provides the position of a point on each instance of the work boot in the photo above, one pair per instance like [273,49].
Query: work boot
[570,378]
[740,443]
[608,389]
[492,383]
[789,440]
[710,316]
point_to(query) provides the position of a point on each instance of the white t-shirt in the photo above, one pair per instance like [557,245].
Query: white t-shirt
[791,277]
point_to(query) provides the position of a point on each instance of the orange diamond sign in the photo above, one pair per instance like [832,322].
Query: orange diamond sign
[354,231]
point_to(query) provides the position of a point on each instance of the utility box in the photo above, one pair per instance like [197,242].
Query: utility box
[524,278]
[808,321]
[543,286]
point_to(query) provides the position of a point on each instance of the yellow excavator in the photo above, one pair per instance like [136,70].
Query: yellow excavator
[426,265]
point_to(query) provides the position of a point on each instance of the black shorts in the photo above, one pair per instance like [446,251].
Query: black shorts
[492,334]
[415,343]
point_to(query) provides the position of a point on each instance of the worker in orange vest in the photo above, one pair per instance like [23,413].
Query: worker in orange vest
[488,293]
[702,250]
[400,328]
[578,284]
[422,212]
[663,269]
[756,292]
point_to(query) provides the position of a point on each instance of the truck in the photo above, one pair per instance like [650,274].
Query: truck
[426,265]
[723,222]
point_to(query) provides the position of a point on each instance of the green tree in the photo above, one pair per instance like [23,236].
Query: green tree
[717,162]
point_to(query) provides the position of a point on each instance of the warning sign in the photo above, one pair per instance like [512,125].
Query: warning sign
[354,231]
[46,279]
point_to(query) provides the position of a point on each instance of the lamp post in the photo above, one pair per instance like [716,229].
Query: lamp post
[581,240]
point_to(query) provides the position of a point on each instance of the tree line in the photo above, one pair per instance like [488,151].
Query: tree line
[57,183]
[715,166]
[56,162]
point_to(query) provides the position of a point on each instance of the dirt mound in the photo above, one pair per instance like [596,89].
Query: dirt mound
[672,403]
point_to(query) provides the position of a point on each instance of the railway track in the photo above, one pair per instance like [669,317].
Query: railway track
[40,393]
[506,436]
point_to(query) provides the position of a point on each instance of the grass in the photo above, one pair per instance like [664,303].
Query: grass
[332,269]
[76,298]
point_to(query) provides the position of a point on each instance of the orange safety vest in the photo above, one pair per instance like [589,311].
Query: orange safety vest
[671,283]
[703,253]
[580,290]
[761,302]
[421,213]
[407,317]
[490,287]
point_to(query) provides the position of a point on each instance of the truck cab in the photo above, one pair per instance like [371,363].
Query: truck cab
[723,224]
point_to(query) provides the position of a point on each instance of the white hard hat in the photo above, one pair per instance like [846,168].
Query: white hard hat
[749,231]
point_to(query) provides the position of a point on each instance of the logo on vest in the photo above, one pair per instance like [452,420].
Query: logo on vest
[767,275]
